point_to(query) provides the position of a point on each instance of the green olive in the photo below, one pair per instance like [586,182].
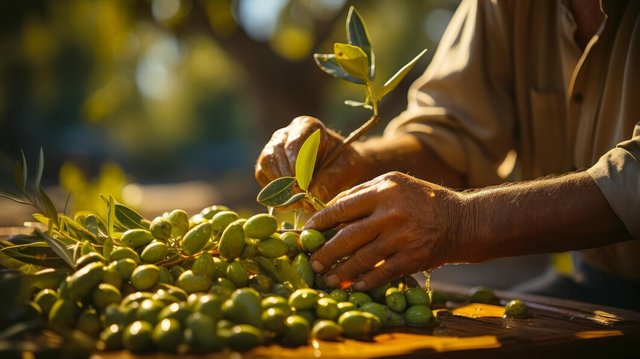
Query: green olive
[482,294]
[136,238]
[311,240]
[89,323]
[237,274]
[145,277]
[244,337]
[356,324]
[296,331]
[418,315]
[106,294]
[111,338]
[222,219]
[45,299]
[359,298]
[273,319]
[416,296]
[516,308]
[137,337]
[260,226]
[167,335]
[327,308]
[395,300]
[340,295]
[161,228]
[326,330]
[379,310]
[154,252]
[304,298]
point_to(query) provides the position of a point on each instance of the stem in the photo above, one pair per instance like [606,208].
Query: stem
[373,120]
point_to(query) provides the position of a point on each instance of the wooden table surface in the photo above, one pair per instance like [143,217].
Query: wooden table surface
[555,328]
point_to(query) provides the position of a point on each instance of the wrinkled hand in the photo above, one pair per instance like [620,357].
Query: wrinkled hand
[410,224]
[278,158]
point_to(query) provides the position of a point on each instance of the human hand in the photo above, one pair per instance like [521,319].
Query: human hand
[278,158]
[411,224]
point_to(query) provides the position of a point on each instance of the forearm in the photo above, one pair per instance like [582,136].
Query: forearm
[550,215]
[407,154]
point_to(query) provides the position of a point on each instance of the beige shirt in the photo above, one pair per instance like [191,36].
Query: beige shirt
[510,96]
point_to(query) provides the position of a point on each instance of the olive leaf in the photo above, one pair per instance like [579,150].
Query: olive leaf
[329,64]
[49,209]
[294,199]
[358,35]
[21,178]
[129,218]
[110,202]
[58,247]
[395,79]
[352,59]
[277,192]
[306,160]
[36,253]
[13,196]
[39,170]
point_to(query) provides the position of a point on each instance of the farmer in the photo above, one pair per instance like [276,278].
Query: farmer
[521,137]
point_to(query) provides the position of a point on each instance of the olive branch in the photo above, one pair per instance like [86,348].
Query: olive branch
[353,62]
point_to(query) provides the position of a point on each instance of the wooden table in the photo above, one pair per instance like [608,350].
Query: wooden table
[554,329]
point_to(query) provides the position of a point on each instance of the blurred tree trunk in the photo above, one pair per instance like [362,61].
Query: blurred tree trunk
[281,89]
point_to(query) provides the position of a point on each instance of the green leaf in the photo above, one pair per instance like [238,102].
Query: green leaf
[49,208]
[40,169]
[13,196]
[329,64]
[41,218]
[352,59]
[359,36]
[107,248]
[276,192]
[23,182]
[58,247]
[20,176]
[293,199]
[306,160]
[357,104]
[76,230]
[129,218]
[395,79]
[111,209]
[36,253]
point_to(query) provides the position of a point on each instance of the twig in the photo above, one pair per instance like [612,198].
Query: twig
[373,120]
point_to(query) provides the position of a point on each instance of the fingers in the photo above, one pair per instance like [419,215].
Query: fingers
[353,190]
[392,268]
[345,242]
[345,210]
[362,261]
[268,165]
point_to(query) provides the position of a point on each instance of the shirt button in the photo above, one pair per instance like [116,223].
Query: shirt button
[578,97]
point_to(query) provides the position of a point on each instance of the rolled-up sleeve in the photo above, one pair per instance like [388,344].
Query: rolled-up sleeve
[462,107]
[617,173]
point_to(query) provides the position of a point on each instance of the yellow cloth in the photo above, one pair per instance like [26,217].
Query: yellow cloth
[509,77]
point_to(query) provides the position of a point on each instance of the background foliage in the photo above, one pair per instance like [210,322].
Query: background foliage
[168,91]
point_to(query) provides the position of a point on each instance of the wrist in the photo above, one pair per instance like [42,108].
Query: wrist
[466,233]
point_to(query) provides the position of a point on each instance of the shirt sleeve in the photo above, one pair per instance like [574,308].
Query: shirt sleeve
[462,107]
[617,173]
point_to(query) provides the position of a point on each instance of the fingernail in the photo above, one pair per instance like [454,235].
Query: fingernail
[332,280]
[360,285]
[317,266]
